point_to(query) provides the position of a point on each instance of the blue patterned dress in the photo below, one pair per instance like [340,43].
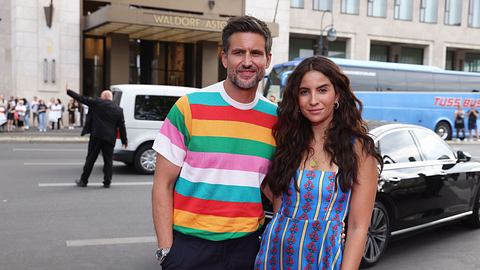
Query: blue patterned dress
[306,231]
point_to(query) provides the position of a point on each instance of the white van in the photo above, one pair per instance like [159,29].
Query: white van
[144,107]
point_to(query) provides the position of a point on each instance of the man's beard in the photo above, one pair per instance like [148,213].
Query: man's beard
[244,85]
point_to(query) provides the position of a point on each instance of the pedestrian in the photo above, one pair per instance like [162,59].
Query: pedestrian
[34,110]
[62,110]
[472,122]
[324,156]
[459,115]
[213,151]
[11,114]
[55,113]
[71,113]
[27,113]
[42,112]
[106,120]
[20,111]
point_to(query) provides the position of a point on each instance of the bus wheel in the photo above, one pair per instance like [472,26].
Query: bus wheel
[444,130]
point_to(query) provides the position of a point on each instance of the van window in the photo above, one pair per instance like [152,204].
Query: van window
[153,108]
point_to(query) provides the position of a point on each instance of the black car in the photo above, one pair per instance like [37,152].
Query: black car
[423,183]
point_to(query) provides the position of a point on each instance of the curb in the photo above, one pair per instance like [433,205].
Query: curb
[35,139]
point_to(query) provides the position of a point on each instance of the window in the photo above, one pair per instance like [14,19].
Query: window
[361,79]
[377,8]
[428,11]
[449,61]
[398,147]
[472,62]
[154,108]
[350,6]
[379,53]
[420,81]
[403,10]
[412,56]
[296,3]
[474,13]
[337,49]
[453,12]
[322,5]
[433,147]
[446,82]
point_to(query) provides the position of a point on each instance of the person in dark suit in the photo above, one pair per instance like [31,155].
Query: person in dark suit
[104,119]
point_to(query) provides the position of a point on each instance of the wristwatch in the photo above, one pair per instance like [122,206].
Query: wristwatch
[162,254]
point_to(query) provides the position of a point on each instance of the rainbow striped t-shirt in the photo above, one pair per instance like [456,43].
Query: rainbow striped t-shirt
[224,148]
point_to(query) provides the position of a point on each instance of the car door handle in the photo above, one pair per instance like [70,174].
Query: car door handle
[443,173]
[395,178]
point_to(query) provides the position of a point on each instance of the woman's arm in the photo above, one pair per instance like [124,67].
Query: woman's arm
[361,207]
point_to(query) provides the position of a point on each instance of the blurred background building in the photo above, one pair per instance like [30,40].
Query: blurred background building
[90,45]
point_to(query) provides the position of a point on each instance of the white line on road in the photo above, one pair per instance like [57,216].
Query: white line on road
[110,241]
[115,163]
[47,150]
[95,184]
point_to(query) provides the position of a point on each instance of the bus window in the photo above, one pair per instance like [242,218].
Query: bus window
[446,82]
[420,81]
[361,79]
[469,84]
[391,80]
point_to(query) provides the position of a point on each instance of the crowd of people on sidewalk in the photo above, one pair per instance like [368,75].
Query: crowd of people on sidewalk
[20,114]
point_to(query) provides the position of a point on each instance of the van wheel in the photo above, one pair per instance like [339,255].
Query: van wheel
[444,130]
[378,236]
[145,158]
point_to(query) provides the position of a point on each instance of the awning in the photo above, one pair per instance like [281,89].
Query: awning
[149,24]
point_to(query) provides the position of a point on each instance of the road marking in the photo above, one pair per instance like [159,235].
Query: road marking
[95,184]
[115,163]
[47,150]
[111,241]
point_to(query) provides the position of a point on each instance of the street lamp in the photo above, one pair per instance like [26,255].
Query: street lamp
[331,34]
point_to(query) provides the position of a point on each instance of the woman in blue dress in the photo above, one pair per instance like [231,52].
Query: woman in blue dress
[325,169]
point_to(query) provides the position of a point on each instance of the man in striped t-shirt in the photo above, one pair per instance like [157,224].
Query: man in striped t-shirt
[214,150]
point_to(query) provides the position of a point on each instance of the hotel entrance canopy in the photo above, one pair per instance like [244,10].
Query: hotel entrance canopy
[150,24]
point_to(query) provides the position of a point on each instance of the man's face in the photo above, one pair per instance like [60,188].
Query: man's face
[246,60]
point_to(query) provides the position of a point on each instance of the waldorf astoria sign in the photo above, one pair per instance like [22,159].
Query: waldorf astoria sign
[188,22]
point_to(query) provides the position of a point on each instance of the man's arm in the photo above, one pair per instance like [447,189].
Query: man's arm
[164,179]
[81,99]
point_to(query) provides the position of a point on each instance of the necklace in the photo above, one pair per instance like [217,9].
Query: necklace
[314,163]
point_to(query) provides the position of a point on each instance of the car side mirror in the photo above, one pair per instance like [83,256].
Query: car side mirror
[463,156]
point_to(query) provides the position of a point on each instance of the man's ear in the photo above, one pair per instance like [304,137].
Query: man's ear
[223,55]
[269,60]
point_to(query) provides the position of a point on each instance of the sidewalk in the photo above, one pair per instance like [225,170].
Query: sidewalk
[32,135]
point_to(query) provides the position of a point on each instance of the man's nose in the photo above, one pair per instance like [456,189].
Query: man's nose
[247,60]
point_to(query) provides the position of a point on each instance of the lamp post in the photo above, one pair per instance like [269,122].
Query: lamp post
[331,34]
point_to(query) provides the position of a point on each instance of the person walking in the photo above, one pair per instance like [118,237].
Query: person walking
[213,151]
[459,115]
[472,122]
[106,120]
[324,170]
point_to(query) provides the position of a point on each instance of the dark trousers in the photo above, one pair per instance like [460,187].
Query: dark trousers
[195,253]
[94,147]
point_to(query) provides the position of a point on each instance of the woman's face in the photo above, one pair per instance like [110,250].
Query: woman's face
[316,98]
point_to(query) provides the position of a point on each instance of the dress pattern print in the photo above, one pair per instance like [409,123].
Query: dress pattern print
[306,231]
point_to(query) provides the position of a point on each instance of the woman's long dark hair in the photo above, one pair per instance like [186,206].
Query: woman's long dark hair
[293,132]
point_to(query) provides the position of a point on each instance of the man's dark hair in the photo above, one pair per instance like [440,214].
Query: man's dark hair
[246,24]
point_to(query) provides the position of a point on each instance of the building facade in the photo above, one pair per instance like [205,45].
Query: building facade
[90,45]
[442,33]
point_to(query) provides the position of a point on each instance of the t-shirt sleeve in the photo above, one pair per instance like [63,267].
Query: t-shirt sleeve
[172,140]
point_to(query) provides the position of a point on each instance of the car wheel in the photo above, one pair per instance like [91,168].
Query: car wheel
[378,236]
[145,159]
[444,130]
[474,219]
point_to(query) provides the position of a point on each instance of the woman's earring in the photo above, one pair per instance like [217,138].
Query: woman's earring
[336,105]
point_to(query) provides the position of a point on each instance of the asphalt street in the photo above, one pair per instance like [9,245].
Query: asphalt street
[48,223]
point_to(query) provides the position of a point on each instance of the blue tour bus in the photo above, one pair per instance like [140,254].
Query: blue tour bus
[404,93]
